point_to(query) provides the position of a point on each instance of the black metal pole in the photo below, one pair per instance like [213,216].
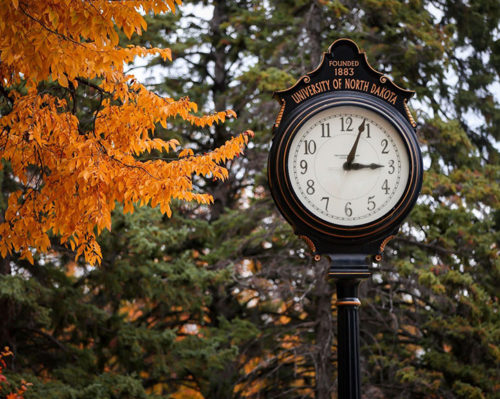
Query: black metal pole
[347,270]
[349,384]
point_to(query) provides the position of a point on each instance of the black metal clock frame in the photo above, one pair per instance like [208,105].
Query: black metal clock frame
[327,237]
[324,237]
[344,77]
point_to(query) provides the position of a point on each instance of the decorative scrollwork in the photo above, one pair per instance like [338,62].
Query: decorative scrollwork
[410,116]
[384,243]
[280,114]
[312,247]
[309,243]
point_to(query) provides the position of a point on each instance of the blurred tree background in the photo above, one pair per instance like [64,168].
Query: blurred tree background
[223,301]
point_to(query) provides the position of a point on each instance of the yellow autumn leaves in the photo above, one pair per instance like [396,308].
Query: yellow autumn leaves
[70,179]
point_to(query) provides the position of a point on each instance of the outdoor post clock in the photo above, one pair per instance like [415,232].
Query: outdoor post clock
[345,167]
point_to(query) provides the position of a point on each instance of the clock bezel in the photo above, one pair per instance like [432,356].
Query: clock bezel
[306,222]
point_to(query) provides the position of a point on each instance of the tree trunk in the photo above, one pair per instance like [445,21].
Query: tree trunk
[314,28]
[220,191]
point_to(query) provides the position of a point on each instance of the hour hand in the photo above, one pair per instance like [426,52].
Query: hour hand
[357,166]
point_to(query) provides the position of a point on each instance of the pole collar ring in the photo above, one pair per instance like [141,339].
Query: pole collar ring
[348,302]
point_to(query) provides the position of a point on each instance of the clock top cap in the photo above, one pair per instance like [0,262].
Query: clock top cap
[344,68]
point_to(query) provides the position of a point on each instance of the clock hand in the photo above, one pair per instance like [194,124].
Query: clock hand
[352,153]
[357,166]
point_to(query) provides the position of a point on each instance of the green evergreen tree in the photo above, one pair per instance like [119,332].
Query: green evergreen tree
[224,299]
[425,46]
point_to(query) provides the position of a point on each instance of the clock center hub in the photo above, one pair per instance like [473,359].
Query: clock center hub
[335,179]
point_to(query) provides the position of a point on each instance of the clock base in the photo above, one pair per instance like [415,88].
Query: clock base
[348,254]
[349,266]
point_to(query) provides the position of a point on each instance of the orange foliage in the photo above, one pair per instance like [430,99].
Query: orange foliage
[187,393]
[70,180]
[19,392]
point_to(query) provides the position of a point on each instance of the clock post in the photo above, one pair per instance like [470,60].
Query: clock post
[345,169]
[349,380]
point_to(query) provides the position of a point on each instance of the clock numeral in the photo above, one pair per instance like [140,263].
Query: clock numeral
[345,126]
[367,125]
[325,130]
[327,199]
[384,144]
[347,209]
[309,147]
[391,166]
[310,187]
[371,203]
[385,187]
[303,165]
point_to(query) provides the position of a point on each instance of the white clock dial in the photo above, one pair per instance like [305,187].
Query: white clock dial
[342,182]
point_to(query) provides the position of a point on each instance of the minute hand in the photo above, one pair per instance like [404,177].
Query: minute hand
[356,166]
[352,153]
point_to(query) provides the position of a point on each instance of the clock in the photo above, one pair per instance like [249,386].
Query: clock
[345,167]
[348,165]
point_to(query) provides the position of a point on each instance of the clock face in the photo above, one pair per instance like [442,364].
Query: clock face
[348,165]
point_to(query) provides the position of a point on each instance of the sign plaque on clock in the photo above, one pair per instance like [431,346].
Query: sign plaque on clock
[345,167]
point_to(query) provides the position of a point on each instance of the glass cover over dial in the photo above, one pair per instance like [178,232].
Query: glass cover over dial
[348,165]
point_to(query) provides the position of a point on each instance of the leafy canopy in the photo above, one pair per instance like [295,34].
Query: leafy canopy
[73,162]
